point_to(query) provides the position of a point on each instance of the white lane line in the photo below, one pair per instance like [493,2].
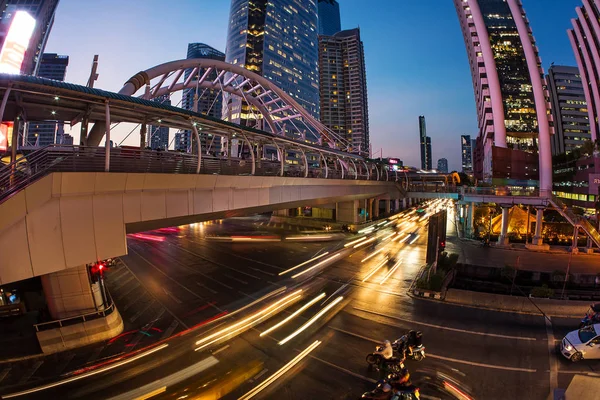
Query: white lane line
[220,350]
[169,331]
[444,327]
[29,373]
[206,287]
[4,373]
[440,357]
[171,295]
[354,374]
[552,357]
[481,365]
[236,279]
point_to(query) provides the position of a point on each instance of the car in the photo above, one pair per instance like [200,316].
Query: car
[582,343]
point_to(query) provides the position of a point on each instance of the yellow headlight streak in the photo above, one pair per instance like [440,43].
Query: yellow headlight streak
[381,264]
[355,241]
[257,317]
[312,320]
[387,237]
[86,374]
[372,255]
[316,265]
[280,372]
[394,268]
[405,238]
[365,242]
[304,263]
[415,239]
[294,315]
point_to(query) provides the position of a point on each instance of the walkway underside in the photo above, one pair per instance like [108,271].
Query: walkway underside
[69,219]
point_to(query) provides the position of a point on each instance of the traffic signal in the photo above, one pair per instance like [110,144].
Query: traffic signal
[442,245]
[97,270]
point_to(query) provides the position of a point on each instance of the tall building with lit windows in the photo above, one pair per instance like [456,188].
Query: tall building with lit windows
[278,40]
[329,17]
[515,123]
[569,109]
[343,81]
[158,135]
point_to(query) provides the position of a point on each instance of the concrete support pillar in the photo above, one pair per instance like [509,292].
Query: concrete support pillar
[388,206]
[469,220]
[375,208]
[70,293]
[503,239]
[574,244]
[347,211]
[537,238]
[405,203]
[369,209]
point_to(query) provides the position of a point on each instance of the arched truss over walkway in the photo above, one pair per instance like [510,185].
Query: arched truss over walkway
[276,111]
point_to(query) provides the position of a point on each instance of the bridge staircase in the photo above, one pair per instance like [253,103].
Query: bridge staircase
[576,220]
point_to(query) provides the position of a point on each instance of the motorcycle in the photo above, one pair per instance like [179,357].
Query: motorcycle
[394,364]
[394,387]
[592,316]
[418,350]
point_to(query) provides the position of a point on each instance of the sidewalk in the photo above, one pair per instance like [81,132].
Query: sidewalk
[472,253]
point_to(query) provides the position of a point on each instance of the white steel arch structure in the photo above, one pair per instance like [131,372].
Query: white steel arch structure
[279,111]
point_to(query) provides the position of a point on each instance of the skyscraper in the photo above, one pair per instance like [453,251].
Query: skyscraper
[509,93]
[425,142]
[343,86]
[466,154]
[442,165]
[43,12]
[209,102]
[585,37]
[278,40]
[329,17]
[158,136]
[569,109]
[43,133]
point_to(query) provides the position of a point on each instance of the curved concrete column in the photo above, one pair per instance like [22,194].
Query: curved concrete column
[492,74]
[541,108]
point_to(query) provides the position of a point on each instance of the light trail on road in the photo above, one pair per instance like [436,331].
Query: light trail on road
[316,265]
[304,263]
[385,278]
[311,321]
[377,268]
[296,313]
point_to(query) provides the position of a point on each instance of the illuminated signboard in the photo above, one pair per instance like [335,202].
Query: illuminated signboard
[16,43]
[393,161]
[5,135]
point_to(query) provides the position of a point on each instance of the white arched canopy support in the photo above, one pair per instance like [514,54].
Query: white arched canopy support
[198,146]
[305,162]
[324,162]
[253,170]
[281,154]
[341,165]
[355,169]
[367,170]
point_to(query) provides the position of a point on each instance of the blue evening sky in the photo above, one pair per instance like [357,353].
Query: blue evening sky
[415,56]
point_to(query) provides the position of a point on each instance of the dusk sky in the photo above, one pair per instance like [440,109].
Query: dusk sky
[415,57]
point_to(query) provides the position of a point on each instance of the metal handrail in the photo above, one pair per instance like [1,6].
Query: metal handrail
[59,323]
[62,158]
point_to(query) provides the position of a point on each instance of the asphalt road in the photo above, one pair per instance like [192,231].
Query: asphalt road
[201,283]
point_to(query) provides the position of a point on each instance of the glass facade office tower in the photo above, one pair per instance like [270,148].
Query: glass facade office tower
[329,17]
[569,109]
[343,81]
[425,142]
[585,40]
[278,40]
[158,136]
[442,165]
[210,102]
[466,153]
[513,144]
[43,12]
[43,133]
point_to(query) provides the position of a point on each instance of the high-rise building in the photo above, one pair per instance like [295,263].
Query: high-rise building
[158,135]
[209,102]
[466,154]
[43,133]
[43,13]
[442,165]
[183,141]
[513,144]
[343,83]
[569,109]
[329,17]
[278,40]
[585,40]
[425,142]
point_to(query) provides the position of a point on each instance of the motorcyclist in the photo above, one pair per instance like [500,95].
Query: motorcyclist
[387,351]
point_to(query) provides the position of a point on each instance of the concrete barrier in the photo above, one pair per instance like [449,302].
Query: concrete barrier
[551,307]
[80,334]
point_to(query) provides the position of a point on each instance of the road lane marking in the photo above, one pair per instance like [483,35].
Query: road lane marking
[444,327]
[439,357]
[578,373]
[4,373]
[169,330]
[31,371]
[171,295]
[140,312]
[236,279]
[206,287]
[354,374]
[552,357]
[220,350]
